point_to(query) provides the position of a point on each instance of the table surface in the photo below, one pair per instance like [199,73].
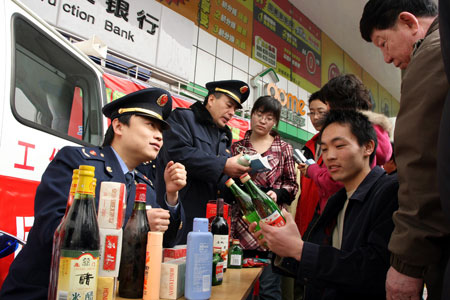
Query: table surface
[237,284]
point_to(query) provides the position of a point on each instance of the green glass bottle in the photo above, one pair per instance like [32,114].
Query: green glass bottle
[80,245]
[217,271]
[267,209]
[245,203]
[235,255]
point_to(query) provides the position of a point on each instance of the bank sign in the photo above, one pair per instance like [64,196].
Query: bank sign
[143,30]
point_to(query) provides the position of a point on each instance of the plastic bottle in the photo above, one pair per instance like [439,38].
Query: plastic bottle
[199,261]
[153,261]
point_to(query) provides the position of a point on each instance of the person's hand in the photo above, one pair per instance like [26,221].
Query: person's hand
[284,241]
[158,219]
[233,168]
[303,169]
[400,286]
[175,178]
[272,195]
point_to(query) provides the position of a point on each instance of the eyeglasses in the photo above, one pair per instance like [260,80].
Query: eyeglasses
[261,117]
[8,243]
[318,113]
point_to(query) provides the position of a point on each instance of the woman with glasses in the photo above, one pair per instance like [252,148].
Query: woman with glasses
[279,183]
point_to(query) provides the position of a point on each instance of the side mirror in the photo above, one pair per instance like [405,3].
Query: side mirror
[8,243]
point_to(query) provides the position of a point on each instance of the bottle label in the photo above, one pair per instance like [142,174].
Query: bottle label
[275,219]
[235,260]
[221,241]
[219,271]
[110,254]
[78,274]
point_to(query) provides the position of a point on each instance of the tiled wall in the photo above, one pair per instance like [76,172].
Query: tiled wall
[212,60]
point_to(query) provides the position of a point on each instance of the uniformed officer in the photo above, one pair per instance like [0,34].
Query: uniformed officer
[200,139]
[134,137]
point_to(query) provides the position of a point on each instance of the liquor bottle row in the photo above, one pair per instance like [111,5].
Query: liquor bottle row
[80,246]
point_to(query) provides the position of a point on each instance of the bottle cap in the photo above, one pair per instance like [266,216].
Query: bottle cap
[86,170]
[236,242]
[244,160]
[141,191]
[217,249]
[154,238]
[229,182]
[200,225]
[244,178]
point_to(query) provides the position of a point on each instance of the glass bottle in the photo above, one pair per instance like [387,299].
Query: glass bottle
[57,236]
[219,229]
[134,247]
[245,202]
[236,255]
[267,209]
[218,264]
[80,244]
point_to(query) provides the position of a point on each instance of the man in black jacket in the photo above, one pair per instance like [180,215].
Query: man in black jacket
[343,254]
[200,139]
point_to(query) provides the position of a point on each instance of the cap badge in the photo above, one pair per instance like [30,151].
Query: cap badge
[162,100]
[243,89]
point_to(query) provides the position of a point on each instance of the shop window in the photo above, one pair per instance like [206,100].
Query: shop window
[54,91]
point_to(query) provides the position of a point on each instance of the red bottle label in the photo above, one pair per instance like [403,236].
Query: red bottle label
[110,255]
[275,219]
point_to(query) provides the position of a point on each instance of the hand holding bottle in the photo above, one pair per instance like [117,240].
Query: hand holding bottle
[175,178]
[233,168]
[284,241]
[158,219]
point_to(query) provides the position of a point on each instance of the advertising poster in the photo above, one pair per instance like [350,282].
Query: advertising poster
[372,85]
[287,41]
[351,66]
[272,35]
[306,53]
[332,59]
[229,20]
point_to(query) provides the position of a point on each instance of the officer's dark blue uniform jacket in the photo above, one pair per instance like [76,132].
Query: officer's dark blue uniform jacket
[358,270]
[29,273]
[203,148]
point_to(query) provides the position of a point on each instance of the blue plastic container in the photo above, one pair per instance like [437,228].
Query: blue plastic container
[199,256]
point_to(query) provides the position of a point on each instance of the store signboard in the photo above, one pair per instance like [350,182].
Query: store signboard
[129,27]
[228,20]
[295,40]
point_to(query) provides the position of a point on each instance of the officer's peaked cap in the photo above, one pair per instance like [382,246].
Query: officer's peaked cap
[235,89]
[154,103]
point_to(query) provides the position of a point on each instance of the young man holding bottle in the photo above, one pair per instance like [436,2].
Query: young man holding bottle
[134,137]
[343,254]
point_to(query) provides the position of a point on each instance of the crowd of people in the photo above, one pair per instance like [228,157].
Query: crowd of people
[369,222]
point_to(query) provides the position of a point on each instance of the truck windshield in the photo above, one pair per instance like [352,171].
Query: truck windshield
[54,90]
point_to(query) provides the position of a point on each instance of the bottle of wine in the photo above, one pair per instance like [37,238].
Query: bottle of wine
[134,247]
[245,203]
[80,245]
[236,255]
[265,206]
[219,229]
[57,236]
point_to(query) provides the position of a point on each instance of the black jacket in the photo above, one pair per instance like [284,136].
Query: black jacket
[203,148]
[358,270]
